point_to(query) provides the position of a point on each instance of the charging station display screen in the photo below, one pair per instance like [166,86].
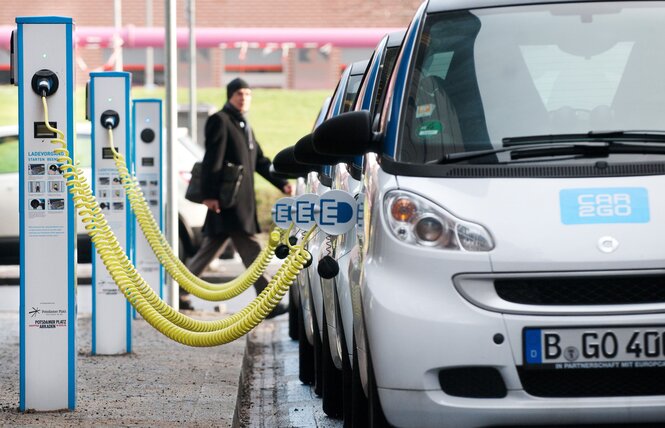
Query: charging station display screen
[107,153]
[41,131]
[148,161]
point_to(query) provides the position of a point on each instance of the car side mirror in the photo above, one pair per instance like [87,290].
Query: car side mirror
[284,165]
[349,134]
[304,153]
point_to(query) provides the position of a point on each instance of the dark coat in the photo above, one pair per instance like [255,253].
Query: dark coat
[227,141]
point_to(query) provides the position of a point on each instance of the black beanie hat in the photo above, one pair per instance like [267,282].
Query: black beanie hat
[234,85]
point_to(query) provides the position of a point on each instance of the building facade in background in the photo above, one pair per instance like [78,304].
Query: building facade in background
[279,65]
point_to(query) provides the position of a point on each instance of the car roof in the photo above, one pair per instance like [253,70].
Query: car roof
[449,5]
[395,38]
[359,67]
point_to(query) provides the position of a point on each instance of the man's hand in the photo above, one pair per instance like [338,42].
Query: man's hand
[212,204]
[287,189]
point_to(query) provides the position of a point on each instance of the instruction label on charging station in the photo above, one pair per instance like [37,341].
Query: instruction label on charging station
[46,193]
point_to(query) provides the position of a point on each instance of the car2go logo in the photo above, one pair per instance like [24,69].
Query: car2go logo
[604,205]
[595,348]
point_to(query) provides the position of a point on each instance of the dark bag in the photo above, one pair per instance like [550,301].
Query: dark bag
[229,179]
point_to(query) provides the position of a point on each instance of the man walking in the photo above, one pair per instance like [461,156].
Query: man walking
[230,138]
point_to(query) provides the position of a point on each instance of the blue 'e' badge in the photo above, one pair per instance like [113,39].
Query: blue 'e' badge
[604,205]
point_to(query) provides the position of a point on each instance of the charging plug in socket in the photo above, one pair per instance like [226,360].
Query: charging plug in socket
[44,83]
[110,119]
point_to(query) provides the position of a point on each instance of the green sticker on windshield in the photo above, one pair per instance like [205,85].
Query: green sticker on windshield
[428,129]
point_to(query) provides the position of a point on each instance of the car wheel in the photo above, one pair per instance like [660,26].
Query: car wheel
[305,352]
[375,415]
[318,365]
[293,313]
[332,381]
[358,399]
[347,403]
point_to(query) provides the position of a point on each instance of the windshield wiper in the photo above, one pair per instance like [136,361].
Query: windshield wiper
[560,148]
[591,136]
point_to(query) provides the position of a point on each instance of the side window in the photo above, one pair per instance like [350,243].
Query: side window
[351,92]
[384,75]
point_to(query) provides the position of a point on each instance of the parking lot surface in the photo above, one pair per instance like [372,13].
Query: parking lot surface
[161,383]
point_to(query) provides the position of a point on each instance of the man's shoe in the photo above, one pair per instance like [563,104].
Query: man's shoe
[186,305]
[280,309]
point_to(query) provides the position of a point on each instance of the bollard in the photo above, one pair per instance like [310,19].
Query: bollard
[108,108]
[149,170]
[42,65]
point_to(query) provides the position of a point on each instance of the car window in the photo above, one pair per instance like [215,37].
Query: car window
[9,152]
[351,92]
[483,75]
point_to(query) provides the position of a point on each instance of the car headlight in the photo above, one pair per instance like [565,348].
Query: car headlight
[415,220]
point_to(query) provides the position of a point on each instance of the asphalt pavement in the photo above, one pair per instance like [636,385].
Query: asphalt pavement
[160,384]
[272,395]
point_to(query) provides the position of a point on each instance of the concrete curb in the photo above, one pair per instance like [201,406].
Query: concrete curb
[239,417]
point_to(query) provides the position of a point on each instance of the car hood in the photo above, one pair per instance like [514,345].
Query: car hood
[544,224]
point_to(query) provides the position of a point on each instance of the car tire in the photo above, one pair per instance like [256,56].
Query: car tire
[347,373]
[375,416]
[332,381]
[293,313]
[318,371]
[305,353]
[358,399]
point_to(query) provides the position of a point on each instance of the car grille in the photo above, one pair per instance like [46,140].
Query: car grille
[583,290]
[593,382]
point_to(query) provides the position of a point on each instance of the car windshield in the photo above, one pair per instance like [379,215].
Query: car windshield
[480,76]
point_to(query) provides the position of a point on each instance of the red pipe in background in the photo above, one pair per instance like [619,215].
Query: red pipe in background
[142,37]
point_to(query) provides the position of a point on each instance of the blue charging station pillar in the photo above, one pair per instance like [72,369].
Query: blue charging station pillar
[42,58]
[108,106]
[148,168]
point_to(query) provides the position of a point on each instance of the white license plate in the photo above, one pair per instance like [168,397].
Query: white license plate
[595,347]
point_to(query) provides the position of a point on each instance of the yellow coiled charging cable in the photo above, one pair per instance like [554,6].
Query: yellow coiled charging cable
[155,311]
[160,246]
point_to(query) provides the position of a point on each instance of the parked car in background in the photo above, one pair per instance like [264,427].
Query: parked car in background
[191,216]
[341,299]
[327,381]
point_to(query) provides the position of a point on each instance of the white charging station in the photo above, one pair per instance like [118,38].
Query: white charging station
[149,171]
[108,106]
[43,64]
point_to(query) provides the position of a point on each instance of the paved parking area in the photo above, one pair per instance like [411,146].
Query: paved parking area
[161,383]
[272,394]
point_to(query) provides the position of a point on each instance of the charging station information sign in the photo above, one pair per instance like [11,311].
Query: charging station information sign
[147,155]
[43,61]
[108,106]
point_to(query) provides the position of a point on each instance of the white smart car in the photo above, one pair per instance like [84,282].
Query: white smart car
[510,270]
